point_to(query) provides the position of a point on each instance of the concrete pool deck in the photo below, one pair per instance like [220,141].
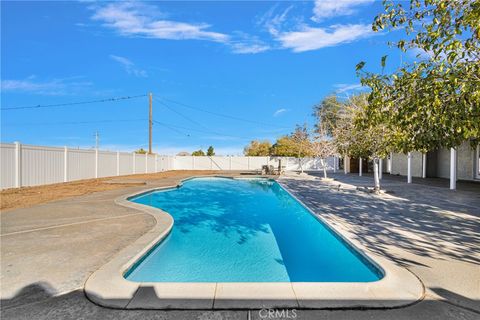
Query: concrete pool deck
[48,251]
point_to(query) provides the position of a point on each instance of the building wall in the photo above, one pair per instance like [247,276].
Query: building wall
[399,164]
[438,163]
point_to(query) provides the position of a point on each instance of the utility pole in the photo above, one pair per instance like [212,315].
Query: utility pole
[150,126]
[97,138]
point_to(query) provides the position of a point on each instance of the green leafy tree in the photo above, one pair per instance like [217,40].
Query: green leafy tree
[327,113]
[258,148]
[210,151]
[297,144]
[198,153]
[435,101]
[141,151]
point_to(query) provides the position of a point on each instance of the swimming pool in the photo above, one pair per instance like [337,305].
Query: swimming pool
[245,230]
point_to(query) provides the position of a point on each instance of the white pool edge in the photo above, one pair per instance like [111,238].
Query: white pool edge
[108,287]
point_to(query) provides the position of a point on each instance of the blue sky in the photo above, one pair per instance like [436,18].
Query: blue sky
[264,61]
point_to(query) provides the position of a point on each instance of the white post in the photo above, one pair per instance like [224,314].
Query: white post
[390,161]
[409,167]
[230,166]
[380,169]
[248,163]
[193,162]
[345,164]
[156,163]
[146,162]
[360,167]
[453,169]
[118,163]
[96,163]
[18,164]
[133,170]
[334,164]
[424,165]
[65,164]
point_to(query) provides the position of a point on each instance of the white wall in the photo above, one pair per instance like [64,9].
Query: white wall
[26,165]
[399,164]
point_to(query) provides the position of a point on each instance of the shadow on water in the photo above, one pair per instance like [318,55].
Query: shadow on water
[216,209]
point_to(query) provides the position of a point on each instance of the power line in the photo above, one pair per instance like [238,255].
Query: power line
[179,113]
[70,122]
[199,130]
[223,115]
[191,120]
[171,128]
[75,103]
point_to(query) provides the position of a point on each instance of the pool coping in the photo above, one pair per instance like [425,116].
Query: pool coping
[108,287]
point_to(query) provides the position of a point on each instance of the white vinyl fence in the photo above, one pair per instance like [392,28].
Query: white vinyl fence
[27,165]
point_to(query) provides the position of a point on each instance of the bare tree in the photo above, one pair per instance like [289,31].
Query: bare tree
[323,147]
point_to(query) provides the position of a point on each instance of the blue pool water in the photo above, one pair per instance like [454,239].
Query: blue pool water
[228,230]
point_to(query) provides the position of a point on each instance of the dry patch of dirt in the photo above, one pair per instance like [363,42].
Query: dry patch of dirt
[30,196]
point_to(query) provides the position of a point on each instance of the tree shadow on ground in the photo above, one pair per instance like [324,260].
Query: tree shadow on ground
[427,228]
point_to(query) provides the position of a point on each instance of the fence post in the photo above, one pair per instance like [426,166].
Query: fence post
[96,163]
[118,163]
[65,164]
[133,170]
[230,166]
[146,162]
[248,163]
[193,162]
[156,163]
[18,164]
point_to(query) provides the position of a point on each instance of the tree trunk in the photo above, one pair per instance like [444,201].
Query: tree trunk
[324,168]
[375,174]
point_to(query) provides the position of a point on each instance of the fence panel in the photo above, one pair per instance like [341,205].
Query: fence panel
[45,165]
[165,163]
[126,163]
[220,163]
[107,164]
[7,165]
[41,165]
[183,163]
[151,164]
[81,164]
[202,163]
[140,163]
[238,163]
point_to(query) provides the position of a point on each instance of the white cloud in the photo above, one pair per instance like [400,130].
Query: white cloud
[129,66]
[273,22]
[279,112]
[308,38]
[343,87]
[332,8]
[144,20]
[247,44]
[49,87]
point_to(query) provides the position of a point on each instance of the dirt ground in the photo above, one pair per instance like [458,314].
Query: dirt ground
[29,196]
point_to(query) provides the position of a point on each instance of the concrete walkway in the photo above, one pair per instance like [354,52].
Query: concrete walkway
[48,251]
